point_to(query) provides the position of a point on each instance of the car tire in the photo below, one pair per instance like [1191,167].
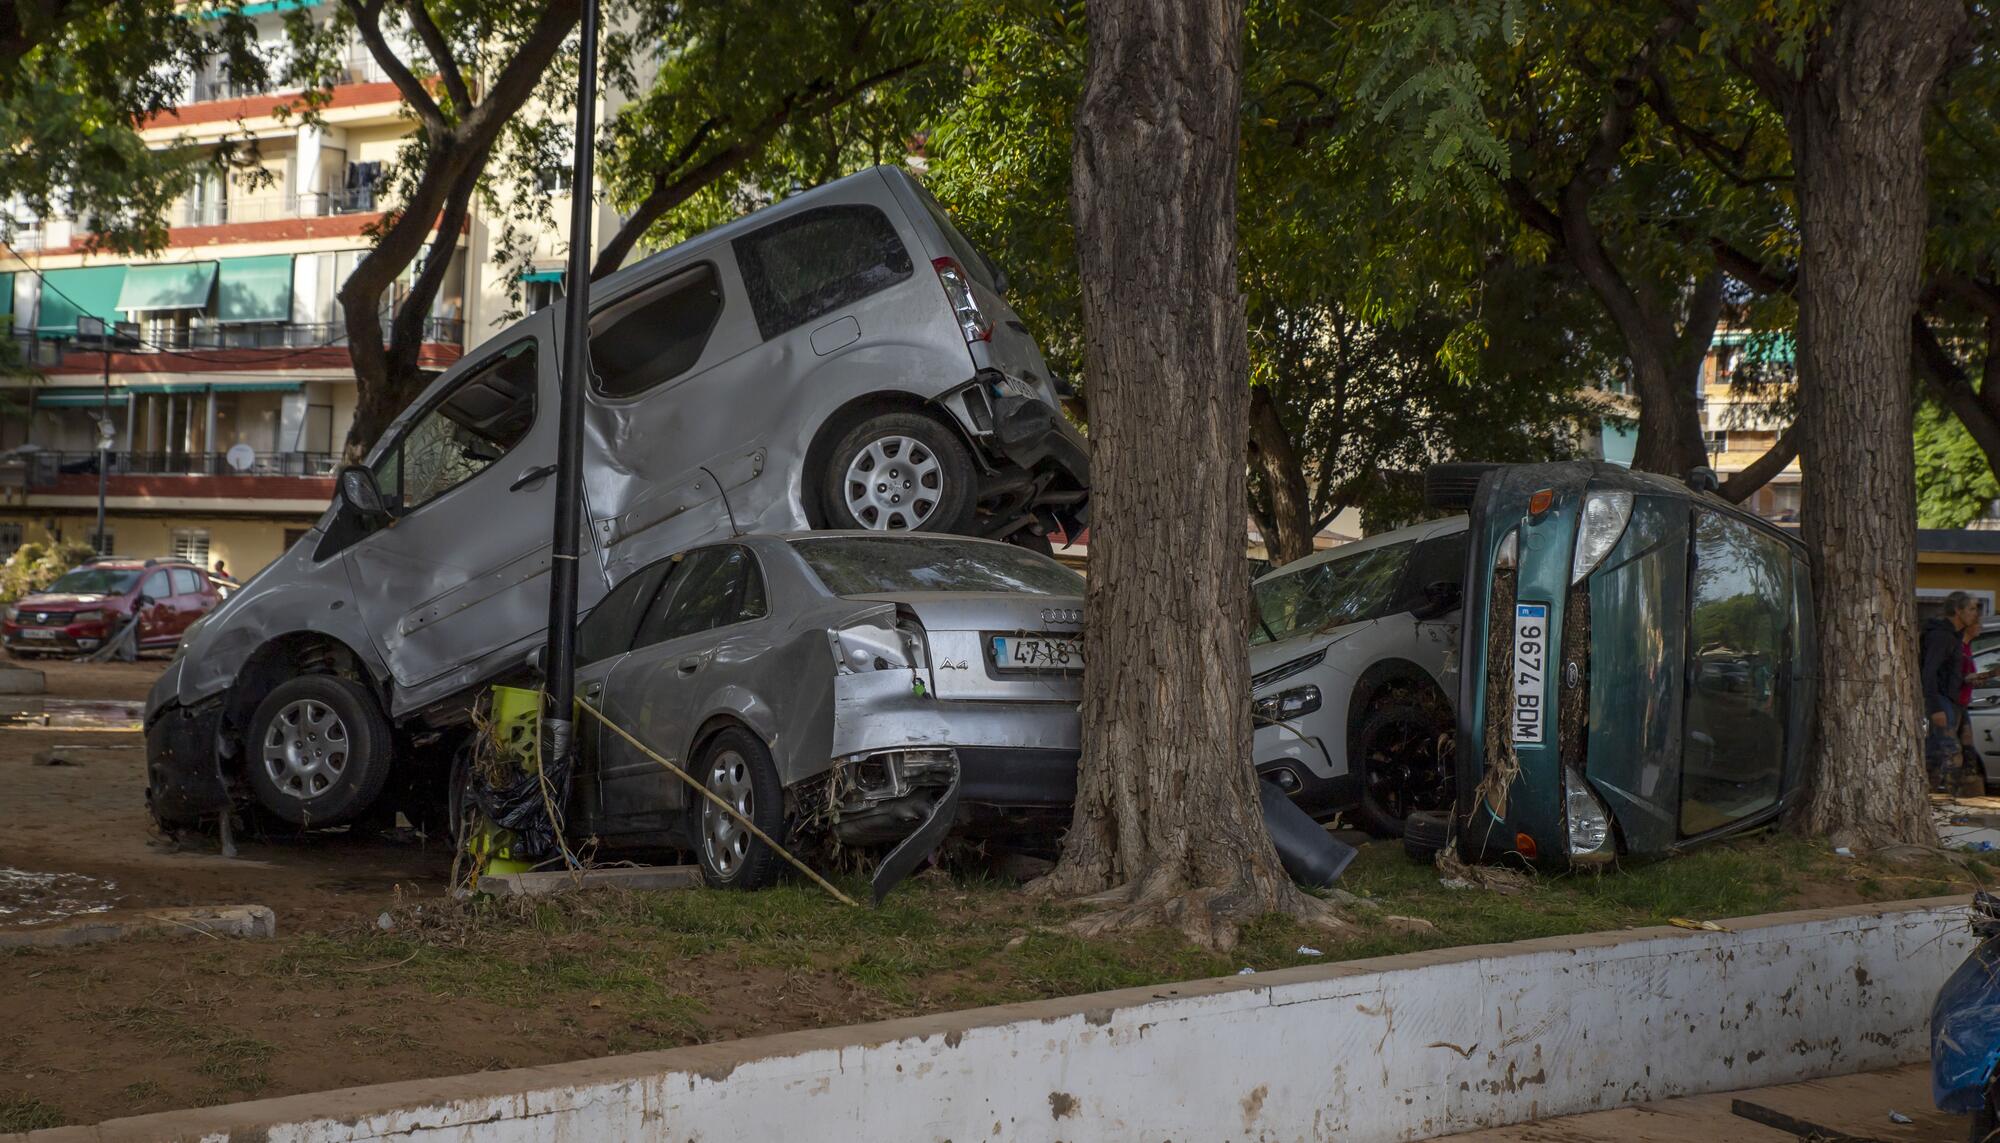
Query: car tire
[319,750]
[1403,753]
[736,764]
[898,472]
[1426,833]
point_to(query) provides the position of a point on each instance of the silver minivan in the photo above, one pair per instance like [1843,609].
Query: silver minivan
[841,359]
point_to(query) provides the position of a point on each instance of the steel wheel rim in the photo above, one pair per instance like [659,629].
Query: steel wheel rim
[894,484]
[306,749]
[1410,768]
[724,841]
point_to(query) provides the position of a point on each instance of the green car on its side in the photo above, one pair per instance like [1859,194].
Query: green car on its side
[1639,666]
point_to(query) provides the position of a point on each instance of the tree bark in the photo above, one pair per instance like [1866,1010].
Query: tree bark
[1288,523]
[1856,120]
[1167,824]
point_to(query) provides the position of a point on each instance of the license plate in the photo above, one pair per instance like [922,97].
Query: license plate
[1531,653]
[38,633]
[1037,653]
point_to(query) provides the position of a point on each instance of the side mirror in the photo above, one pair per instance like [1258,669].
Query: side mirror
[360,494]
[1440,598]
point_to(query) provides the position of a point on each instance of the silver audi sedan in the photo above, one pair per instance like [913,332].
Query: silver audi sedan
[876,689]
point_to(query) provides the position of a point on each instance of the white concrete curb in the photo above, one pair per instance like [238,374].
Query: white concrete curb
[1397,1048]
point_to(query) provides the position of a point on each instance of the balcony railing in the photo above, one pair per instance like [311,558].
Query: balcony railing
[45,469]
[266,208]
[286,335]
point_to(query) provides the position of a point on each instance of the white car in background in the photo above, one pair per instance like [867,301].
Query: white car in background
[1354,665]
[1984,711]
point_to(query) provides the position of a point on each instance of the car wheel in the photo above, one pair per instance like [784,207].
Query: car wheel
[1425,834]
[319,751]
[736,767]
[1404,750]
[898,472]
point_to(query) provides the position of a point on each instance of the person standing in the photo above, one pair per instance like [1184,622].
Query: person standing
[1941,666]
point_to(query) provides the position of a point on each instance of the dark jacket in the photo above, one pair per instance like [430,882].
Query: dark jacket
[1941,665]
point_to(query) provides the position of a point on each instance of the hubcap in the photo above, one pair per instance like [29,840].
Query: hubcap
[1410,768]
[725,842]
[305,749]
[894,484]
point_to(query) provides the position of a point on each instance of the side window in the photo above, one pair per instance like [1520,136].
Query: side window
[479,422]
[818,261]
[186,582]
[654,338]
[608,629]
[1437,560]
[714,588]
[1740,647]
[157,587]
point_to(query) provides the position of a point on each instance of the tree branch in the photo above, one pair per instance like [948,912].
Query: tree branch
[1759,472]
[441,54]
[1749,270]
[367,17]
[516,82]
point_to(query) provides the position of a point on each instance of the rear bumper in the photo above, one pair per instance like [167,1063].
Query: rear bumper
[1034,439]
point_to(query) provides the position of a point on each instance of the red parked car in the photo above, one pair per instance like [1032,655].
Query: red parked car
[80,610]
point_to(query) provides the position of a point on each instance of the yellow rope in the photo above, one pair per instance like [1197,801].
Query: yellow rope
[726,808]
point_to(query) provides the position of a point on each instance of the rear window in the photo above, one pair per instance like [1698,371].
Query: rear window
[856,565]
[817,261]
[95,581]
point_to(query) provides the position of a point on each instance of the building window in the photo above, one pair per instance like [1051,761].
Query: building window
[10,539]
[105,542]
[191,544]
[541,293]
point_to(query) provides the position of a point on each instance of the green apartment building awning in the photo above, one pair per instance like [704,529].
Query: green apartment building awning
[6,295]
[542,276]
[77,399]
[182,286]
[67,293]
[254,289]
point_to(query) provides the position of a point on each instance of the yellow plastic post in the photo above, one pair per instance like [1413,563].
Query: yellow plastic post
[517,717]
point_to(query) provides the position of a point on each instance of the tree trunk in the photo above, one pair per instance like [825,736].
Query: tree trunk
[1167,821]
[1856,120]
[1670,441]
[1288,530]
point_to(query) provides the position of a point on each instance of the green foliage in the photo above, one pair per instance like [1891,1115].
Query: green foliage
[35,565]
[79,90]
[1955,485]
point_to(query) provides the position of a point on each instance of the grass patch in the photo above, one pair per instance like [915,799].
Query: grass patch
[22,1113]
[234,1061]
[692,965]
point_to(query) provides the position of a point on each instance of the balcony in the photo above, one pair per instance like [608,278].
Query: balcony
[47,470]
[286,335]
[270,208]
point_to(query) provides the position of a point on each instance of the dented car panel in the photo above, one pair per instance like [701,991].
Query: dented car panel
[713,405]
[829,683]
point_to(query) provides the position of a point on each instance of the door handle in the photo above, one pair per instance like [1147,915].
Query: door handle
[592,690]
[689,665]
[534,475]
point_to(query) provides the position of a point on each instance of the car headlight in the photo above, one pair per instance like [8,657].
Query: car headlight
[1285,705]
[95,615]
[1589,822]
[13,613]
[1605,514]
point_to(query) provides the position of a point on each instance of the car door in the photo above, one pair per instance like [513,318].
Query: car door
[187,603]
[666,407]
[604,636]
[155,603]
[460,573]
[653,690]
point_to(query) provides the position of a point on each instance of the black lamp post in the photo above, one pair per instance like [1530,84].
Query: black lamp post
[558,737]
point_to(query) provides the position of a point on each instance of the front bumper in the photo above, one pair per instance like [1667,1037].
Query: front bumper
[71,639]
[184,781]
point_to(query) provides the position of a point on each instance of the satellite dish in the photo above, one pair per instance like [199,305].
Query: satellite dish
[240,457]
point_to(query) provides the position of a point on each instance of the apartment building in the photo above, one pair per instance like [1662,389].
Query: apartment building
[229,412]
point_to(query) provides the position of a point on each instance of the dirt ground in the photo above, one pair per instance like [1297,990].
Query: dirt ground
[161,1022]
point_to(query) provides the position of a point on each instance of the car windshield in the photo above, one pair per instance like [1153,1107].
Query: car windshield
[859,565]
[95,581]
[1345,589]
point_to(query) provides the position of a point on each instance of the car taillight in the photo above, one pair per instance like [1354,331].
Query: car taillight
[958,291]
